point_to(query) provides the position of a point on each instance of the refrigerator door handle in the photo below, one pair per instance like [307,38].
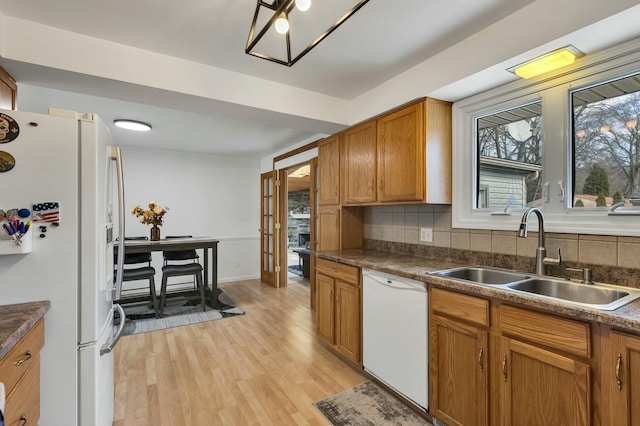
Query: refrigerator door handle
[117,156]
[108,347]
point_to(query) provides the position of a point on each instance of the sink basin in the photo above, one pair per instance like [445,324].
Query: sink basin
[600,296]
[478,274]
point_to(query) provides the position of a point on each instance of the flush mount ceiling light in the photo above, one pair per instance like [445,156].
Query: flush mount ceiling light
[551,61]
[274,22]
[137,126]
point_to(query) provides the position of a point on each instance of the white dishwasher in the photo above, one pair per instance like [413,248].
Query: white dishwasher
[395,333]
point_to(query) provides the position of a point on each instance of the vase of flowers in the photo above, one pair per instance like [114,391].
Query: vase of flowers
[152,216]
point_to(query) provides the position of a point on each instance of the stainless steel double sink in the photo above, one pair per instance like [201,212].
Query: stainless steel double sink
[604,297]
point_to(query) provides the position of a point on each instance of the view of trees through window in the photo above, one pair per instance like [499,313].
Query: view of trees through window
[606,143]
[510,157]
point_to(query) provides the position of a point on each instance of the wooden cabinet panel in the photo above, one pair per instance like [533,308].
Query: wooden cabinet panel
[359,164]
[329,170]
[348,335]
[20,373]
[560,333]
[328,228]
[461,306]
[458,372]
[623,376]
[542,387]
[401,157]
[324,306]
[23,404]
[342,272]
[22,356]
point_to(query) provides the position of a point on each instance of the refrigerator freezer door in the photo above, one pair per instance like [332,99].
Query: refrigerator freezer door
[96,381]
[96,260]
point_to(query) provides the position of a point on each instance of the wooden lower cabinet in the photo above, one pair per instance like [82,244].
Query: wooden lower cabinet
[458,364]
[622,374]
[543,387]
[492,363]
[339,307]
[20,373]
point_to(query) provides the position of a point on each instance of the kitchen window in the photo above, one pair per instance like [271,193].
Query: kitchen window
[568,144]
[606,143]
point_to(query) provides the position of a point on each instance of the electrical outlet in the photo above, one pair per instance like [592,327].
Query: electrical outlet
[426,235]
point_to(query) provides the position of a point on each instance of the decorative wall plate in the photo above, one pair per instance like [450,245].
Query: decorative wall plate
[9,129]
[7,162]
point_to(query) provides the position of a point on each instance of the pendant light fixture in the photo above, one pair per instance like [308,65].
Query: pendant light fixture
[278,15]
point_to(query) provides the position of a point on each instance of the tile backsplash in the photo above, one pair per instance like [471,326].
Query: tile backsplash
[401,224]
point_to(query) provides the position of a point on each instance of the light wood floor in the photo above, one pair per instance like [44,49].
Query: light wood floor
[266,367]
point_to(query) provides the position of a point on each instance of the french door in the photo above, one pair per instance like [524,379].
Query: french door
[268,229]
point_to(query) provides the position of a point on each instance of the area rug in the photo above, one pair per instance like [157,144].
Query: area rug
[368,405]
[141,319]
[296,270]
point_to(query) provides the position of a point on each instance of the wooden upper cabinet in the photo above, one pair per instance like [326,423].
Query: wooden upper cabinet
[401,159]
[359,164]
[414,154]
[8,90]
[403,156]
[329,170]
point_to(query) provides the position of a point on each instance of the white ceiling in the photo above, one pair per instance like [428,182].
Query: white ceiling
[253,107]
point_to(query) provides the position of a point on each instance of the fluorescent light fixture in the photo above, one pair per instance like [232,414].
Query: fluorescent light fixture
[134,125]
[548,62]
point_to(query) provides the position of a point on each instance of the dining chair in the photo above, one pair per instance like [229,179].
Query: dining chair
[147,272]
[181,263]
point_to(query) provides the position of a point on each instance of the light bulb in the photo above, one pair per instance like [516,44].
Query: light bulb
[303,5]
[282,25]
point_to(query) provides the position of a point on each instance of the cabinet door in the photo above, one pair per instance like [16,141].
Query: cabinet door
[458,372]
[325,306]
[623,374]
[401,156]
[8,89]
[359,164]
[329,171]
[328,228]
[348,336]
[542,387]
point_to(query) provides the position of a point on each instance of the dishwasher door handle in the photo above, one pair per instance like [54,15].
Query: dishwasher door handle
[397,285]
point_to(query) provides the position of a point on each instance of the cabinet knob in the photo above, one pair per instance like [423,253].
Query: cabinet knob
[23,419]
[480,354]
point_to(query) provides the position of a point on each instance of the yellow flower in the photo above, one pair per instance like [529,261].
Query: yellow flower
[153,216]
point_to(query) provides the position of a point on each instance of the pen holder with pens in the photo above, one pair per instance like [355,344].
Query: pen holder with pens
[18,244]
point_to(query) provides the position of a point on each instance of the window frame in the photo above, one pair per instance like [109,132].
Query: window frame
[554,90]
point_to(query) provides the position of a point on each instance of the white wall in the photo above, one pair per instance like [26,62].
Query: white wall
[207,196]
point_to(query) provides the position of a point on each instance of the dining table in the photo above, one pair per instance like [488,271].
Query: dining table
[208,246]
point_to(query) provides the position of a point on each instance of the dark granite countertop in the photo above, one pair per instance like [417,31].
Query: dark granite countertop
[627,317]
[16,321]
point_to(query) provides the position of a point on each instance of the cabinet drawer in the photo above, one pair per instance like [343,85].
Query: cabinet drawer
[22,356]
[467,308]
[347,273]
[560,333]
[23,404]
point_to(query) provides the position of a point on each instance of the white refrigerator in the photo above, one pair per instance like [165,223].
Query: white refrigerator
[63,169]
